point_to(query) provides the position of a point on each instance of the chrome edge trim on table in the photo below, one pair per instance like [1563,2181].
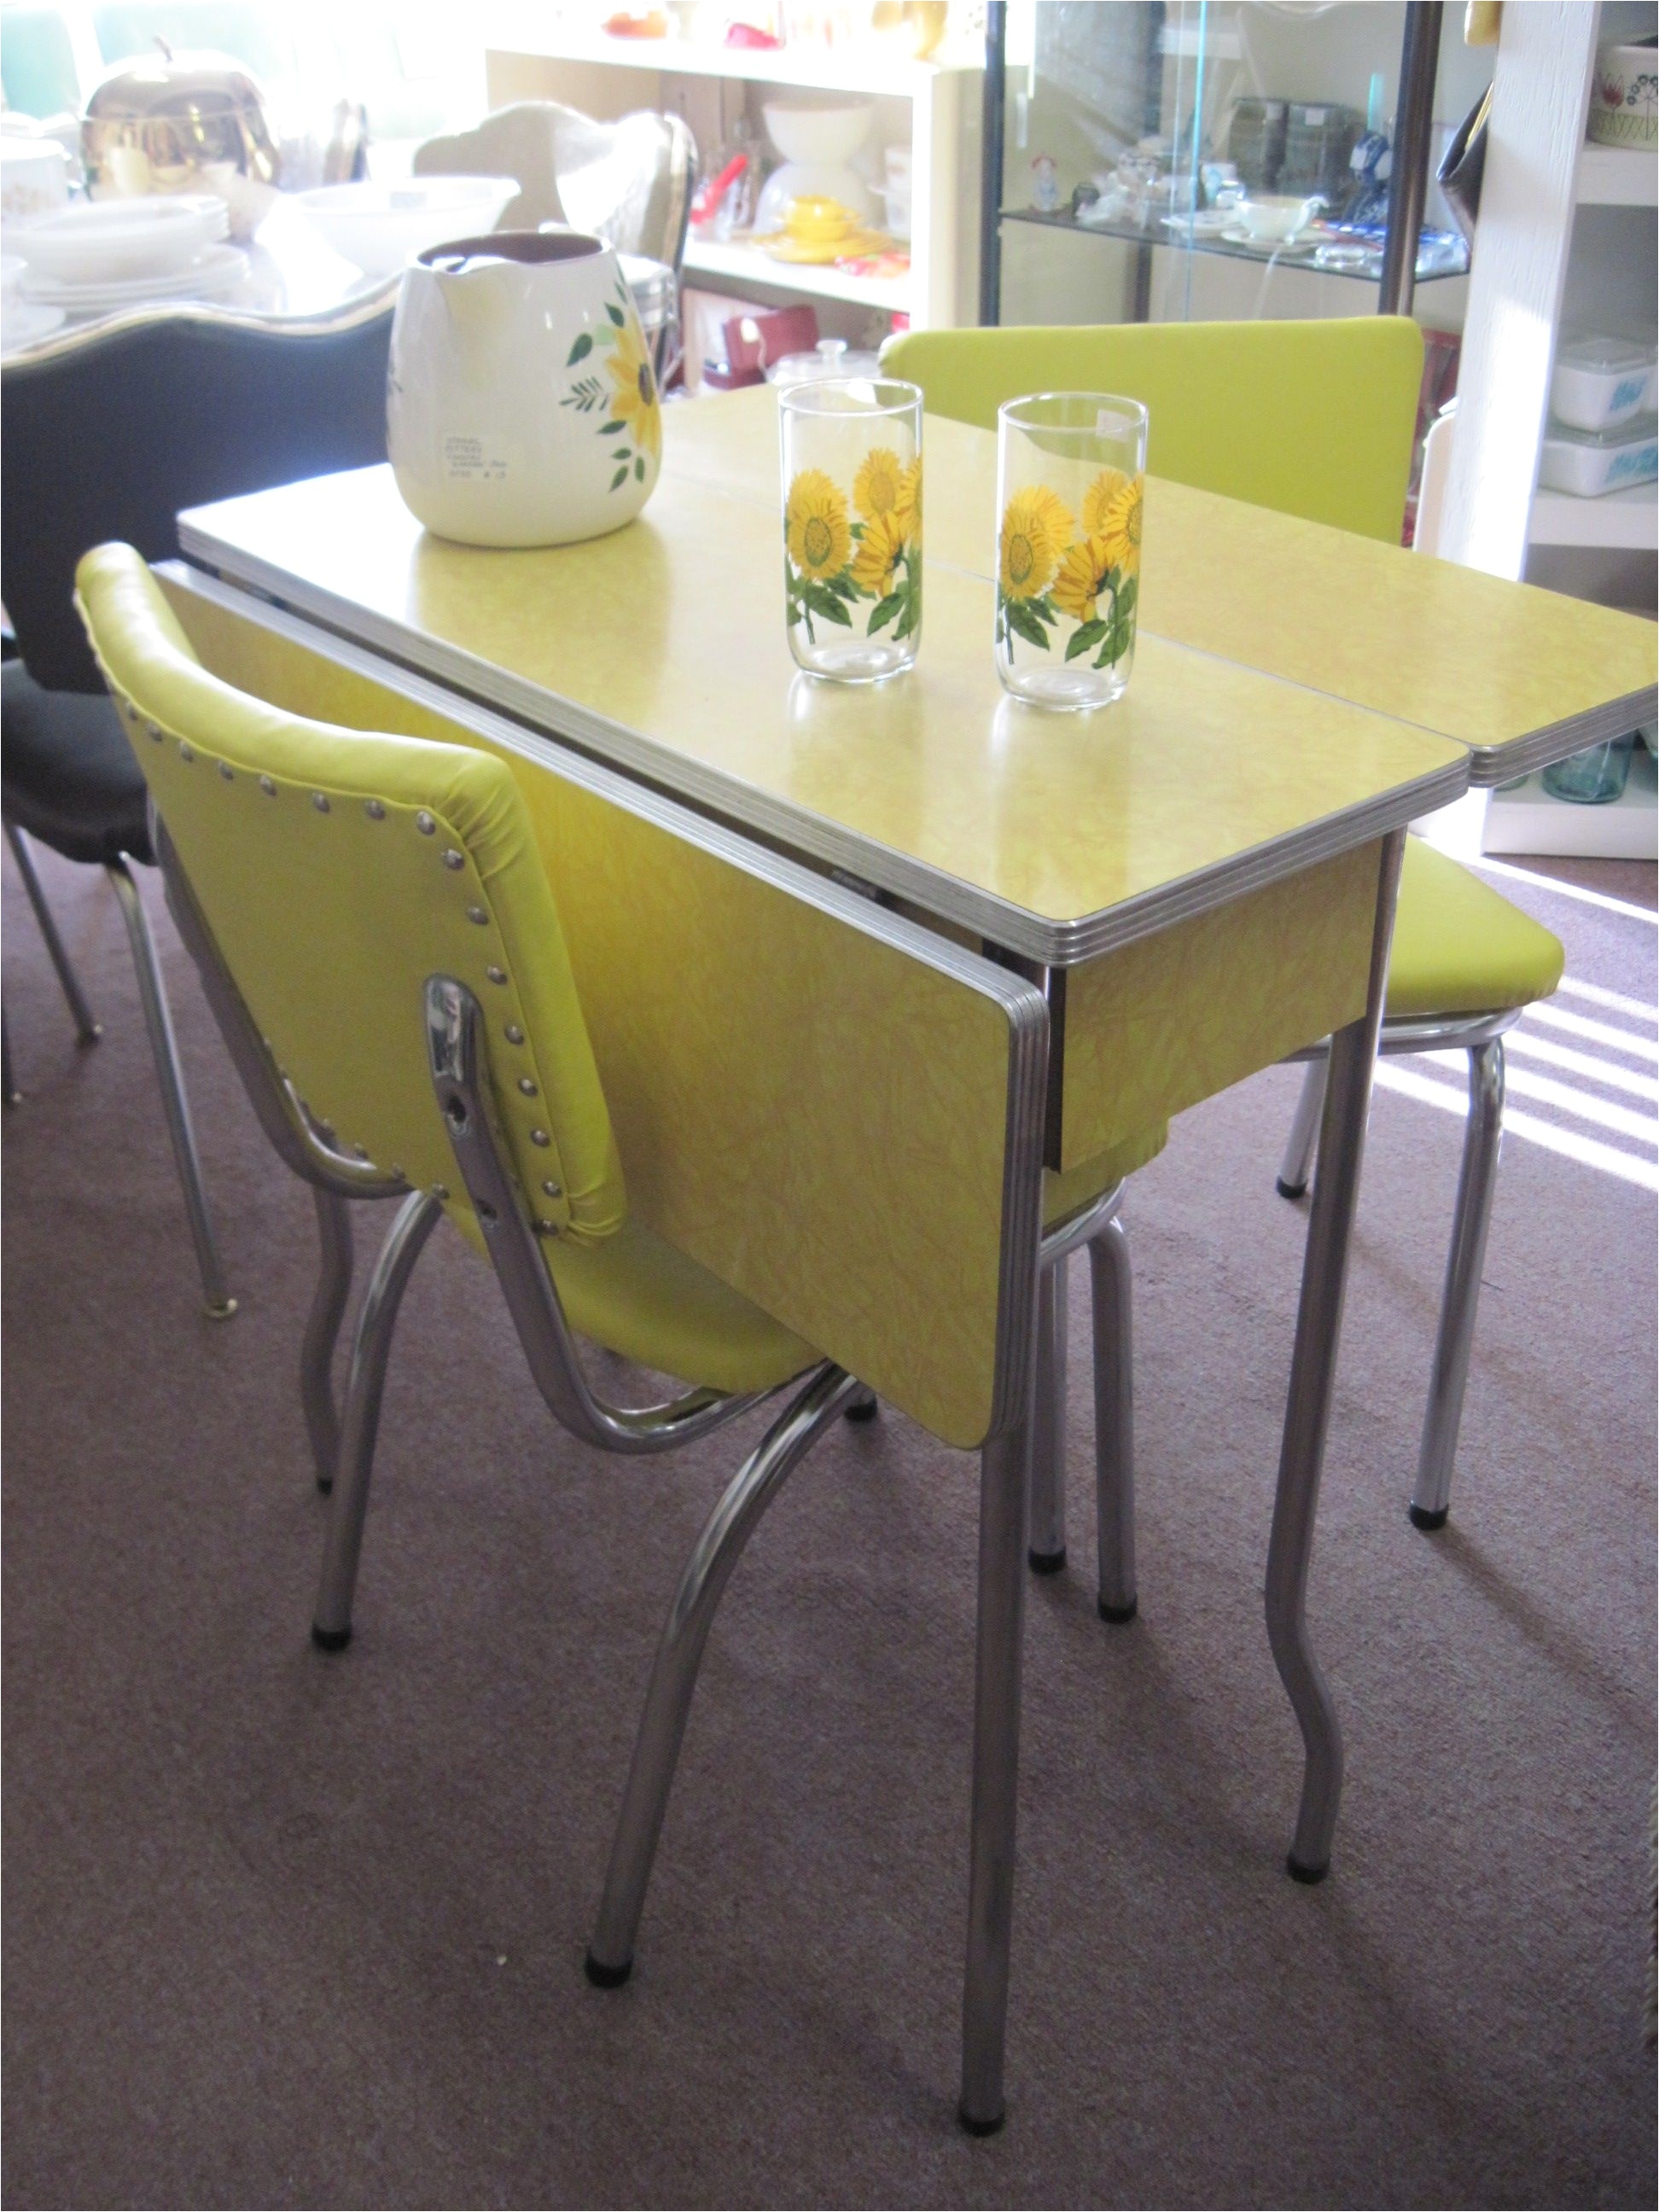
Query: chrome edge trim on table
[1056,943]
[1495,764]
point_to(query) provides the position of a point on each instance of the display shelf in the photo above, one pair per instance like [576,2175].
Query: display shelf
[1623,520]
[1528,820]
[737,263]
[1618,176]
[1178,240]
[863,68]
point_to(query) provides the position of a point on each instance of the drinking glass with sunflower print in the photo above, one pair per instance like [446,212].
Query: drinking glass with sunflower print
[852,526]
[1071,470]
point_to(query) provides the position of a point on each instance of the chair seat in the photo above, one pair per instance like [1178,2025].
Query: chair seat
[67,773]
[1460,947]
[647,1301]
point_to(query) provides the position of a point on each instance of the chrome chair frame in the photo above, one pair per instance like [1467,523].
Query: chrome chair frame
[1481,1035]
[342,1446]
[164,1049]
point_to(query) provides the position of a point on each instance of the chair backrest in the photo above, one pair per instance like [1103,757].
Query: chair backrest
[110,437]
[335,872]
[1311,418]
[631,181]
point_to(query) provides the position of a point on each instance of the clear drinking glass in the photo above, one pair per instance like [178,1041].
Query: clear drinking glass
[852,525]
[1071,473]
[1594,777]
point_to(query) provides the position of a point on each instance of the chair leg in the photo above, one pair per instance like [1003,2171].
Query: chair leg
[679,1655]
[86,1030]
[1114,1421]
[1483,1138]
[1290,1546]
[1295,1169]
[331,1629]
[1046,1535]
[10,1094]
[328,1306]
[159,1021]
[1004,1481]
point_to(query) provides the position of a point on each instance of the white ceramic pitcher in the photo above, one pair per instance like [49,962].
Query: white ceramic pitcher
[522,407]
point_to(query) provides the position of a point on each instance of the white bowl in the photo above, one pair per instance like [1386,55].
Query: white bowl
[822,132]
[1275,215]
[378,225]
[109,241]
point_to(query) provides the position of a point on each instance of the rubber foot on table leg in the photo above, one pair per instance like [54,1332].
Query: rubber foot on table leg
[1117,1614]
[1298,1872]
[1420,1517]
[325,1484]
[330,1639]
[863,1409]
[1289,1189]
[981,2127]
[604,1976]
[1047,1563]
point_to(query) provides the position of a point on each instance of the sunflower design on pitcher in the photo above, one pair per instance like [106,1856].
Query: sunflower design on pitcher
[834,560]
[632,417]
[1049,575]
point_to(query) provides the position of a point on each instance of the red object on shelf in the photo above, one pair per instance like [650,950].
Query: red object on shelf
[753,341]
[747,34]
[705,204]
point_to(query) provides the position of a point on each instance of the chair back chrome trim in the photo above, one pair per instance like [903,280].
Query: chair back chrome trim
[457,1053]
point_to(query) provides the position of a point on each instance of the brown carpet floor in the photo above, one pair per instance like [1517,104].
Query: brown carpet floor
[282,1930]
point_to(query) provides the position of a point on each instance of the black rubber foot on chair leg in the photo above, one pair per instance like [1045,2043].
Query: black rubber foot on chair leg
[1298,1872]
[1117,1614]
[1289,1189]
[1047,1563]
[981,2127]
[863,1409]
[325,1484]
[604,1976]
[330,1639]
[1420,1517]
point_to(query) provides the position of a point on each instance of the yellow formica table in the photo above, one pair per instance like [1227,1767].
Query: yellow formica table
[1176,891]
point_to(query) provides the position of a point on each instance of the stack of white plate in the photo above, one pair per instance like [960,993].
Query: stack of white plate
[103,254]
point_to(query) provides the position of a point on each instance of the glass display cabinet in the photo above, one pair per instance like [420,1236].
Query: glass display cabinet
[1219,158]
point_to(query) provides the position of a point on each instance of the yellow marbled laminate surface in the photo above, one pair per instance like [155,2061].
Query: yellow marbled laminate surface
[844,1171]
[1253,981]
[1483,661]
[662,647]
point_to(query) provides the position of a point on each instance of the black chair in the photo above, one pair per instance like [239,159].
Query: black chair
[109,435]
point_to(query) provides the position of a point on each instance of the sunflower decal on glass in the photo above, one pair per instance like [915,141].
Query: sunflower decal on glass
[852,526]
[1068,559]
[624,396]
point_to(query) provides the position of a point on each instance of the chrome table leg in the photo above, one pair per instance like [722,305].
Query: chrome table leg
[1297,1165]
[1307,1413]
[1002,1519]
[679,1655]
[1483,1138]
[328,1306]
[176,1106]
[1114,1421]
[10,1094]
[1046,1538]
[86,1028]
[417,1217]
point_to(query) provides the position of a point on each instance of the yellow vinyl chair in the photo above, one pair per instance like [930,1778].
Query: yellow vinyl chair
[1314,419]
[383,953]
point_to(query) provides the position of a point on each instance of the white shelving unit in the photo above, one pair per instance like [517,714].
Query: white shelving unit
[536,52]
[1565,236]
